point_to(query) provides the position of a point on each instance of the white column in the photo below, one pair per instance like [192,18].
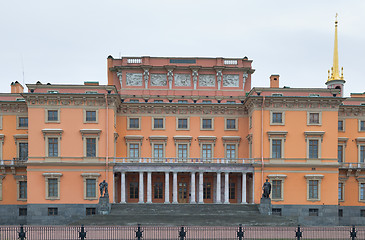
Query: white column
[167,187]
[226,188]
[149,187]
[244,188]
[192,188]
[201,188]
[174,188]
[218,198]
[141,188]
[122,187]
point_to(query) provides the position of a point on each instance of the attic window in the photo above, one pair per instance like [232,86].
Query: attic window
[20,99]
[91,92]
[314,95]
[277,94]
[53,91]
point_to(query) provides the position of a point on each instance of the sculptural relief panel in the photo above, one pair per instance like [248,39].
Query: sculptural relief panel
[231,80]
[207,80]
[182,80]
[134,79]
[158,80]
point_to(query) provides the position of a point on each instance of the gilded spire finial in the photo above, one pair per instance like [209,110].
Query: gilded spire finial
[335,74]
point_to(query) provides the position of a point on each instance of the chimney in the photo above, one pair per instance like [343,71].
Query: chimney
[16,87]
[91,83]
[274,81]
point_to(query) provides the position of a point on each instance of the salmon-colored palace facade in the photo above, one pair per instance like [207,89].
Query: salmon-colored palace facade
[182,131]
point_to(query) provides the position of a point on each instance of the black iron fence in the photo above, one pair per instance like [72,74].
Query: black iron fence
[179,233]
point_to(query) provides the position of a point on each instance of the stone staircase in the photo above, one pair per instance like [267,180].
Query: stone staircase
[186,215]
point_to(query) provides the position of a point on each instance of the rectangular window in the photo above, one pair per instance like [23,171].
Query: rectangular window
[23,151]
[231,124]
[313,212]
[232,191]
[52,187]
[340,125]
[158,150]
[52,147]
[133,190]
[313,148]
[134,123]
[22,189]
[230,151]
[23,122]
[207,151]
[276,211]
[134,150]
[90,211]
[276,148]
[276,189]
[90,188]
[340,153]
[362,125]
[362,153]
[182,123]
[207,123]
[134,100]
[277,117]
[158,101]
[362,191]
[231,102]
[158,123]
[90,147]
[52,115]
[158,190]
[314,118]
[207,101]
[90,116]
[23,211]
[182,150]
[52,211]
[340,191]
[362,213]
[207,190]
[340,212]
[182,101]
[313,189]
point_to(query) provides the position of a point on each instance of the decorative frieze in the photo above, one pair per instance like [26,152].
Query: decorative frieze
[206,80]
[15,107]
[159,80]
[134,79]
[182,80]
[231,80]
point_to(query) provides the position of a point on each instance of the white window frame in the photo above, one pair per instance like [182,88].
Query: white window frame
[343,125]
[282,118]
[58,115]
[359,125]
[361,181]
[134,139]
[187,150]
[139,123]
[96,115]
[315,177]
[319,118]
[52,133]
[163,123]
[232,140]
[94,176]
[360,141]
[201,124]
[2,136]
[314,135]
[343,190]
[52,176]
[209,140]
[90,133]
[20,138]
[17,121]
[278,177]
[231,129]
[182,129]
[277,135]
[158,140]
[20,178]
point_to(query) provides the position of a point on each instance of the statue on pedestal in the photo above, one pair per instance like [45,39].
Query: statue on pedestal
[104,188]
[266,189]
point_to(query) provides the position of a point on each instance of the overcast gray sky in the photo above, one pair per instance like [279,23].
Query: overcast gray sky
[69,41]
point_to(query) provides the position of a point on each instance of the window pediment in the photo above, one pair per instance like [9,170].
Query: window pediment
[20,136]
[231,138]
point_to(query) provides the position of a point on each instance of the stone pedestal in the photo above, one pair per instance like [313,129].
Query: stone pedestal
[104,205]
[265,207]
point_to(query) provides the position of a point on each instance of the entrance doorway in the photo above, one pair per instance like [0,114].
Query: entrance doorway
[183,192]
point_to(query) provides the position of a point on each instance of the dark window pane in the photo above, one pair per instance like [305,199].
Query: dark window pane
[23,122]
[91,188]
[91,116]
[90,147]
[52,115]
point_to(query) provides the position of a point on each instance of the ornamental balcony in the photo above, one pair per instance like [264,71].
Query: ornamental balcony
[186,160]
[15,162]
[353,165]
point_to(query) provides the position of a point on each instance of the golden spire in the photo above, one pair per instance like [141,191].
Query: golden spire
[335,75]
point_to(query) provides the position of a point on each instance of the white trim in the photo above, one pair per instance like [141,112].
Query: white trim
[139,123]
[187,124]
[231,129]
[359,125]
[278,177]
[58,115]
[282,117]
[206,118]
[319,118]
[57,176]
[96,115]
[315,177]
[163,123]
[94,176]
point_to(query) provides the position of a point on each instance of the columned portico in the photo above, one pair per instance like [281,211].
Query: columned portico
[167,187]
[201,201]
[226,188]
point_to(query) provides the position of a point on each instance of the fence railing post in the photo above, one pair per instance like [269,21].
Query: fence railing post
[298,233]
[21,233]
[139,232]
[82,233]
[240,232]
[353,233]
[182,234]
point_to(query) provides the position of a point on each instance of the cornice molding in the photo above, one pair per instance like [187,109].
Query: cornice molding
[351,111]
[13,107]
